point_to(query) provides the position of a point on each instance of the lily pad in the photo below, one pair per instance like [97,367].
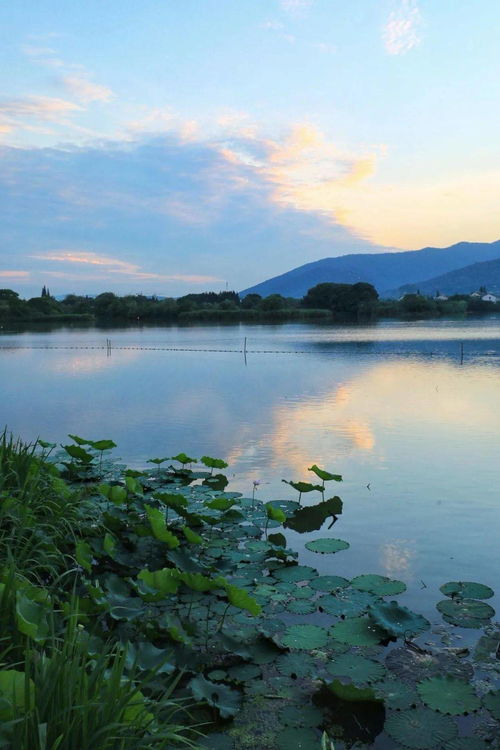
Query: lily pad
[327,546]
[295,665]
[397,695]
[346,603]
[466,613]
[379,585]
[420,728]
[244,672]
[303,592]
[301,607]
[221,697]
[358,668]
[304,637]
[397,620]
[410,666]
[492,702]
[358,631]
[448,695]
[467,743]
[351,693]
[466,590]
[328,583]
[295,573]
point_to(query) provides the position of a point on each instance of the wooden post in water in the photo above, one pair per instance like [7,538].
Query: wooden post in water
[245,349]
[461,352]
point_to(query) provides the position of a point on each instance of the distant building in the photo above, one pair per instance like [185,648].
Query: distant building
[476,294]
[489,298]
[441,297]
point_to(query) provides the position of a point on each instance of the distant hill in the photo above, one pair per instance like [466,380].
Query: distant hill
[462,281]
[386,271]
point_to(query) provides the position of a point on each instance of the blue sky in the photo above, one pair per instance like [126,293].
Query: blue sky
[179,145]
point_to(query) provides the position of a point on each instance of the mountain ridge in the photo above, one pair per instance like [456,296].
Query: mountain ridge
[386,271]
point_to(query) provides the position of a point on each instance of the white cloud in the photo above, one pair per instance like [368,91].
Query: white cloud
[296,6]
[85,90]
[402,30]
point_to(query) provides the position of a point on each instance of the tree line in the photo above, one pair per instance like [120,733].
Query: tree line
[327,301]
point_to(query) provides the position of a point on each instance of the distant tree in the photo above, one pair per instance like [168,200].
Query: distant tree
[273,302]
[44,291]
[251,301]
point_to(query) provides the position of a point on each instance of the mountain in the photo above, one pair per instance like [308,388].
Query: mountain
[386,271]
[462,281]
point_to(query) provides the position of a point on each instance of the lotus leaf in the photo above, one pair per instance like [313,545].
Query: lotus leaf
[220,503]
[295,573]
[148,657]
[379,585]
[351,693]
[304,486]
[328,583]
[466,590]
[420,728]
[14,689]
[448,695]
[301,607]
[296,665]
[79,453]
[397,695]
[299,739]
[358,631]
[397,620]
[304,637]
[165,581]
[466,613]
[346,603]
[244,672]
[262,652]
[275,514]
[183,459]
[213,463]
[492,702]
[221,697]
[103,445]
[217,675]
[217,742]
[159,527]
[301,716]
[240,599]
[83,554]
[327,546]
[191,536]
[326,476]
[358,668]
[279,540]
[31,617]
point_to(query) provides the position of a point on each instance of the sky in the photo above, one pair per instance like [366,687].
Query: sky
[175,146]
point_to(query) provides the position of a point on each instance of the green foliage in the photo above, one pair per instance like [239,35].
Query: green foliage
[326,476]
[448,695]
[396,620]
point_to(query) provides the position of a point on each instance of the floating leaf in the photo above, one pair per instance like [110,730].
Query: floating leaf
[397,620]
[327,546]
[467,743]
[346,603]
[358,668]
[147,657]
[466,590]
[448,695]
[244,672]
[378,585]
[301,607]
[304,637]
[220,503]
[397,695]
[221,697]
[466,613]
[351,693]
[420,728]
[325,475]
[328,583]
[492,702]
[295,665]
[410,666]
[295,573]
[358,631]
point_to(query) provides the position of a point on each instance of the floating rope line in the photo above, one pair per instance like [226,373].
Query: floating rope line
[110,348]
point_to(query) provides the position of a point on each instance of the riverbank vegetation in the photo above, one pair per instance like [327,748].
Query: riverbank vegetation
[323,303]
[158,609]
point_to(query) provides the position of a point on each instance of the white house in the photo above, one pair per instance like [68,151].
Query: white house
[441,297]
[489,298]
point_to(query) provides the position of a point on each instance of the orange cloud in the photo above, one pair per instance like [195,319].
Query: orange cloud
[86,90]
[14,274]
[37,107]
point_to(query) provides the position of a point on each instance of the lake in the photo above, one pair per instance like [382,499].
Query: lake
[407,412]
